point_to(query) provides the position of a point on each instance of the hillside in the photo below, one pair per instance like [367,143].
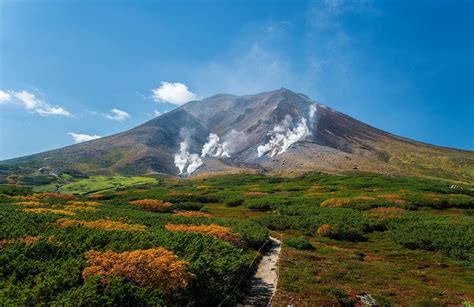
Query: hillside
[277,132]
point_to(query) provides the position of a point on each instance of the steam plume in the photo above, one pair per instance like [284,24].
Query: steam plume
[186,163]
[283,135]
[214,148]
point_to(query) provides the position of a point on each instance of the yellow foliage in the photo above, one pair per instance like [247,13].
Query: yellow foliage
[54,195]
[30,203]
[345,202]
[336,202]
[203,187]
[79,208]
[100,224]
[46,210]
[83,203]
[192,214]
[156,267]
[216,231]
[26,198]
[27,240]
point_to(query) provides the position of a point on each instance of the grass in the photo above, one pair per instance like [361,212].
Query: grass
[98,184]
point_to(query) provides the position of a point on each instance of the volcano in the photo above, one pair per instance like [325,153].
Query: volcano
[277,132]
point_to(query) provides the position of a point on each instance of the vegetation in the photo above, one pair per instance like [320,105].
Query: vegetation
[97,184]
[298,243]
[404,241]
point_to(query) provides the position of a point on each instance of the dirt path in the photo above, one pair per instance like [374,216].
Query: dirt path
[263,283]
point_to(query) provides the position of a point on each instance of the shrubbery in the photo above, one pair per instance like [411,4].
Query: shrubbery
[453,236]
[233,202]
[298,243]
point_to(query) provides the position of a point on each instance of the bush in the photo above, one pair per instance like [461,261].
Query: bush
[233,202]
[299,243]
[256,205]
[453,236]
[189,205]
[153,205]
[156,267]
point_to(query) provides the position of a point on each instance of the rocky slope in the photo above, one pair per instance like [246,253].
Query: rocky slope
[278,131]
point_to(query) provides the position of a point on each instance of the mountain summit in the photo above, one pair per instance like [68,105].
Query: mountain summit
[277,131]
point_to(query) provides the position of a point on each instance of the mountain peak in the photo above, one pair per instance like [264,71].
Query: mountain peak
[277,131]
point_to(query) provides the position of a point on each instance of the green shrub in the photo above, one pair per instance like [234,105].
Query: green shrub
[299,243]
[189,205]
[453,236]
[234,202]
[256,205]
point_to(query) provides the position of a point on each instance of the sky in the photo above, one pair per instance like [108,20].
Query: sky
[71,71]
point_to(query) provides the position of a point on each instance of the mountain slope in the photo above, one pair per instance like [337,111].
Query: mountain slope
[278,131]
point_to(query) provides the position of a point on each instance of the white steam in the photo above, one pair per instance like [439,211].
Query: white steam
[214,148]
[312,115]
[186,163]
[283,135]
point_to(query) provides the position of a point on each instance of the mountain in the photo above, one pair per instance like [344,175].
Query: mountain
[278,131]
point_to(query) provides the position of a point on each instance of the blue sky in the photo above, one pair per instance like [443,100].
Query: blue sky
[72,70]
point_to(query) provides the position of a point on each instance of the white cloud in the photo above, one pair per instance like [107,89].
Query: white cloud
[157,113]
[5,97]
[174,93]
[118,115]
[32,103]
[52,111]
[79,138]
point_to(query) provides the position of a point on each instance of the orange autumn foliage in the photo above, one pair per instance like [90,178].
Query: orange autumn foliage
[216,231]
[156,267]
[46,210]
[100,224]
[192,214]
[154,205]
[323,229]
[83,203]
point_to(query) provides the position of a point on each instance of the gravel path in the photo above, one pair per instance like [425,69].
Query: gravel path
[263,283]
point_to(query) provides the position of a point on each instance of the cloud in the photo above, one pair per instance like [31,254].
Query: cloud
[79,138]
[32,103]
[5,97]
[174,93]
[117,115]
[157,113]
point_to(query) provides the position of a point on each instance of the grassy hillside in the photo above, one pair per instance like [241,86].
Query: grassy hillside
[403,241]
[97,184]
